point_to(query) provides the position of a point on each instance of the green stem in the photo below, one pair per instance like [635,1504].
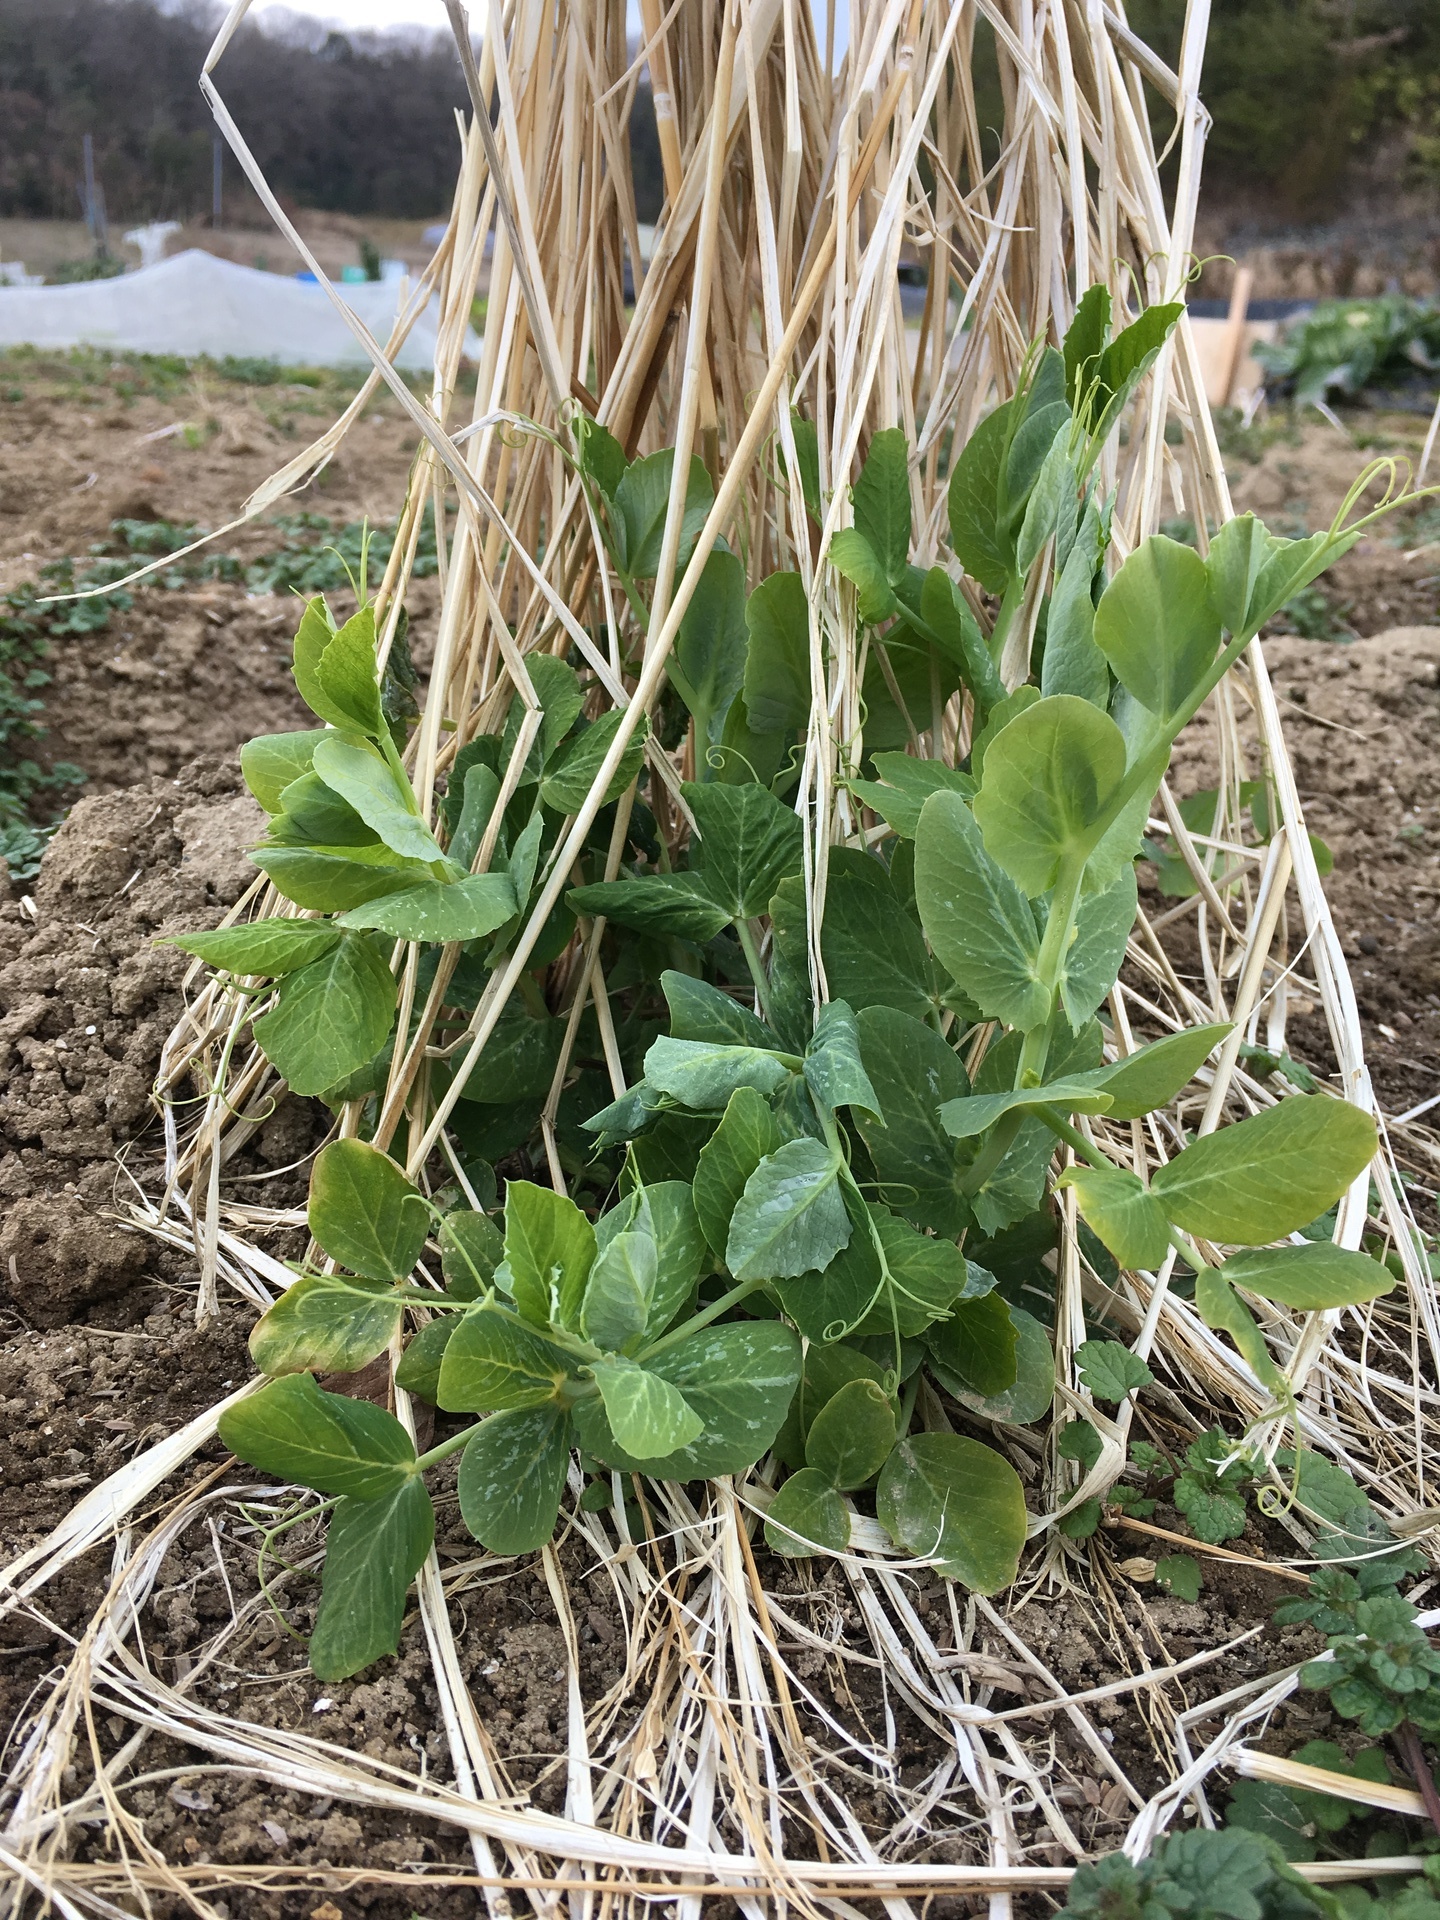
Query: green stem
[907,1404]
[999,633]
[750,947]
[447,1447]
[700,1319]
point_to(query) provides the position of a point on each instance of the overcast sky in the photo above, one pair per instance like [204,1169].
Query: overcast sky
[431,13]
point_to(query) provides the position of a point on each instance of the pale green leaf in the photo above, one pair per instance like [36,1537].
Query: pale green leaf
[263,947]
[620,1290]
[364,1212]
[1309,1278]
[703,1077]
[323,1325]
[493,1363]
[439,910]
[1126,1216]
[1048,777]
[273,761]
[850,553]
[1156,624]
[330,879]
[648,1414]
[975,917]
[834,1071]
[1269,1175]
[549,1251]
[946,1498]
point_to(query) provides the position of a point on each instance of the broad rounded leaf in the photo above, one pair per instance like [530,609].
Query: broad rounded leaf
[648,1414]
[332,1017]
[323,1325]
[1126,1216]
[1268,1175]
[977,1345]
[373,1551]
[777,665]
[749,843]
[492,1363]
[806,1516]
[975,917]
[271,761]
[790,1219]
[1111,1371]
[1030,1397]
[549,1251]
[439,910]
[512,1476]
[1048,777]
[1157,626]
[471,1247]
[322,1440]
[419,1368]
[364,1212]
[851,1436]
[1309,1278]
[949,1499]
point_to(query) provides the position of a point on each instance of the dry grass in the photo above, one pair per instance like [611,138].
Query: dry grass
[789,199]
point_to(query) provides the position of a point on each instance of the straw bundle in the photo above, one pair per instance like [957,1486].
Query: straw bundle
[790,198]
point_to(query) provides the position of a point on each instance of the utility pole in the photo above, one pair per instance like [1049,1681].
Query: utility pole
[216,182]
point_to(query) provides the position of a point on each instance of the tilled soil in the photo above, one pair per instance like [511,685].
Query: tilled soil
[102,1357]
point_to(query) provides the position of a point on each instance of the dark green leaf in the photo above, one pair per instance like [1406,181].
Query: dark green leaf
[682,904]
[332,1017]
[1085,340]
[747,1133]
[777,665]
[439,910]
[977,1113]
[947,614]
[1179,1573]
[805,1516]
[373,1551]
[471,1247]
[807,455]
[975,917]
[1073,663]
[346,674]
[265,947]
[851,1436]
[1030,1397]
[364,1212]
[909,783]
[642,499]
[567,787]
[1079,1441]
[419,1368]
[1127,359]
[1111,1371]
[519,1058]
[750,842]
[985,548]
[850,553]
[479,792]
[707,663]
[834,1071]
[322,1440]
[873,951]
[977,1345]
[602,458]
[881,498]
[703,1077]
[950,1499]
[512,1476]
[312,814]
[620,1291]
[790,1219]
[699,1011]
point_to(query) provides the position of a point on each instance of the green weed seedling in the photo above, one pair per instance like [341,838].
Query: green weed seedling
[790,1226]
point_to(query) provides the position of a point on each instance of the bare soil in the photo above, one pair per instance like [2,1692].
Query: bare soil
[101,1355]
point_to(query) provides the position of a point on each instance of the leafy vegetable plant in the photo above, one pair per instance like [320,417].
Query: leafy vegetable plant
[792,1216]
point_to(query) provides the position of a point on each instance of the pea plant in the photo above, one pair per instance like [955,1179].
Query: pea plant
[792,1217]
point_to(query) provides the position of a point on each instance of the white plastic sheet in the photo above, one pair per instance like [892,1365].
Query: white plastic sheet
[195,304]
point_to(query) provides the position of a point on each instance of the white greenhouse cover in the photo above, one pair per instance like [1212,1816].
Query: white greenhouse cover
[195,304]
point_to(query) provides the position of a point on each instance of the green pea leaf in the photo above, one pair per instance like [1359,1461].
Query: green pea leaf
[665,1210]
[366,782]
[1222,1308]
[364,1212]
[330,879]
[439,910]
[834,1070]
[975,917]
[914,1072]
[1309,1278]
[332,1017]
[948,616]
[642,500]
[561,697]
[312,814]
[567,786]
[1085,340]
[807,459]
[949,1499]
[1052,500]
[1073,663]
[747,1133]
[602,458]
[647,1413]
[620,1290]
[518,1062]
[265,947]
[273,761]
[549,1251]
[977,1345]
[976,531]
[750,842]
[850,553]
[908,784]
[1179,1573]
[881,498]
[512,1477]
[1125,362]
[1097,950]
[323,1325]
[790,1219]
[967,1118]
[492,1363]
[345,677]
[707,664]
[480,789]
[777,664]
[1156,625]
[1029,1398]
[1048,777]
[1079,1441]
[1253,572]
[373,1551]
[851,1436]
[322,1440]
[419,1368]
[703,1077]
[1111,1371]
[682,904]
[1152,1076]
[699,1011]
[1268,1175]
[738,1379]
[873,950]
[1122,1211]
[807,1515]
